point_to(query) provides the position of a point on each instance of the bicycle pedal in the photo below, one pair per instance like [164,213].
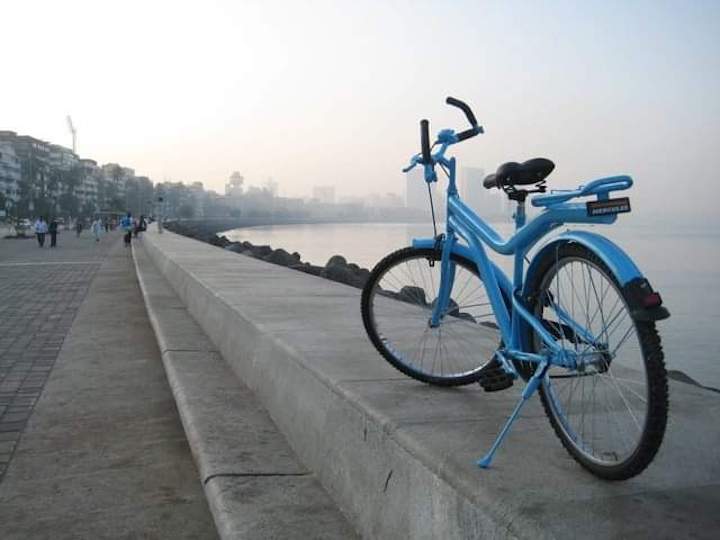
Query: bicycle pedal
[494,378]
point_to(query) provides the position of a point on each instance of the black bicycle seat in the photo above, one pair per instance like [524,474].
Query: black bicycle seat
[519,174]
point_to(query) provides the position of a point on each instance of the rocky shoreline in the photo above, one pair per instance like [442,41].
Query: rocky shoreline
[336,269]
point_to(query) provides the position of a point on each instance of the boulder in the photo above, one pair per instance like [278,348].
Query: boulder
[234,247]
[415,295]
[336,260]
[341,274]
[308,269]
[281,257]
[362,276]
[261,251]
[220,241]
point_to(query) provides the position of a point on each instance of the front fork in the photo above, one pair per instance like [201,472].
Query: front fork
[447,279]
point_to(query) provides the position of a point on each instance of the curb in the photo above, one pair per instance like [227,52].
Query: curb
[254,484]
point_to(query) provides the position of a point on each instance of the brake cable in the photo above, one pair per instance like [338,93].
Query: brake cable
[432,209]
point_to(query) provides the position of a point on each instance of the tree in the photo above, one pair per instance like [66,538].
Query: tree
[69,204]
[68,179]
[32,185]
[88,209]
[186,211]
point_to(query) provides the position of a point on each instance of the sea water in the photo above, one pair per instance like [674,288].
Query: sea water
[682,263]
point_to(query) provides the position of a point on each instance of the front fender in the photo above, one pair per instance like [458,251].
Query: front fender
[644,303]
[464,251]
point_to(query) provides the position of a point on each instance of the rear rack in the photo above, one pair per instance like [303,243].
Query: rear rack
[600,187]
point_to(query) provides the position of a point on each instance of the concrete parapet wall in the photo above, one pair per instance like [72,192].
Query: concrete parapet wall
[398,456]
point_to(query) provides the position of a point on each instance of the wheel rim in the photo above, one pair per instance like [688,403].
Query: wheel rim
[401,305]
[602,406]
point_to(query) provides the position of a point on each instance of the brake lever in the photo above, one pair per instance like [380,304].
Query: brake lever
[413,163]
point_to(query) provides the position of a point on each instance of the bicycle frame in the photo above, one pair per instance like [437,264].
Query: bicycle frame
[464,224]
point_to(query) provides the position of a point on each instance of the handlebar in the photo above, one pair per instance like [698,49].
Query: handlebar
[464,107]
[446,137]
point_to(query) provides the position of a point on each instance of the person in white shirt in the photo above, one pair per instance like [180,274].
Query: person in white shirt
[41,229]
[97,227]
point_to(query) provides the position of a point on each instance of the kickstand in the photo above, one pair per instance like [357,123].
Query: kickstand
[530,388]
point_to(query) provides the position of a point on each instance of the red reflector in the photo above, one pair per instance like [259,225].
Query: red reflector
[652,300]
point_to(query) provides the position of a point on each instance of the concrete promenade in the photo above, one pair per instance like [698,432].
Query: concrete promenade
[91,445]
[398,456]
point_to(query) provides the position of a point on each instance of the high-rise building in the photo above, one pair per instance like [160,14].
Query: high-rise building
[324,194]
[9,174]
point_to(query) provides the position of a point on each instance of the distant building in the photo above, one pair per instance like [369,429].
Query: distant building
[324,194]
[386,200]
[62,158]
[9,174]
[88,190]
[197,192]
[39,177]
[234,187]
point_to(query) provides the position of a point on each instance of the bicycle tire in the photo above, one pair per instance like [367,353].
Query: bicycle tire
[642,451]
[413,309]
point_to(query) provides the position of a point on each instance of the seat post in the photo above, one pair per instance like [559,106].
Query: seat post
[519,214]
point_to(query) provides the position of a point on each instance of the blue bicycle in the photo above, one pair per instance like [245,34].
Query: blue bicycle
[578,325]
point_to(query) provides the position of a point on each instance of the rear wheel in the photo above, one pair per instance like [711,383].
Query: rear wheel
[611,411]
[397,303]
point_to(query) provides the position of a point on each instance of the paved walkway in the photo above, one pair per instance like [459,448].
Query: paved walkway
[40,293]
[89,432]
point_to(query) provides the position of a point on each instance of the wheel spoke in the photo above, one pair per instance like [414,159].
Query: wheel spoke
[402,302]
[602,417]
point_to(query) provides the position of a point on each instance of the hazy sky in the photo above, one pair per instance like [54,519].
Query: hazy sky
[331,92]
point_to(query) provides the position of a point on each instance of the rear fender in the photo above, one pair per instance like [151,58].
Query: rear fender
[645,303]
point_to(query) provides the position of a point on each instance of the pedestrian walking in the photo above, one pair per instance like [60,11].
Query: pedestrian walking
[53,229]
[78,227]
[41,229]
[97,227]
[126,224]
[107,226]
[140,226]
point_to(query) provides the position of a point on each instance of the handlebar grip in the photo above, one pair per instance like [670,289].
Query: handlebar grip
[464,107]
[468,133]
[425,141]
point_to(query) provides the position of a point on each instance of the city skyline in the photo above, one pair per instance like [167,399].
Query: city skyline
[202,89]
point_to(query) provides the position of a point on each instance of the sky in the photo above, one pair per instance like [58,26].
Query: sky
[331,92]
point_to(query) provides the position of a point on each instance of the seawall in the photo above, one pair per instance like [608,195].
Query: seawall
[398,456]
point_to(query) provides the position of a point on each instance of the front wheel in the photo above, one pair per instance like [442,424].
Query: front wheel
[397,303]
[610,412]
